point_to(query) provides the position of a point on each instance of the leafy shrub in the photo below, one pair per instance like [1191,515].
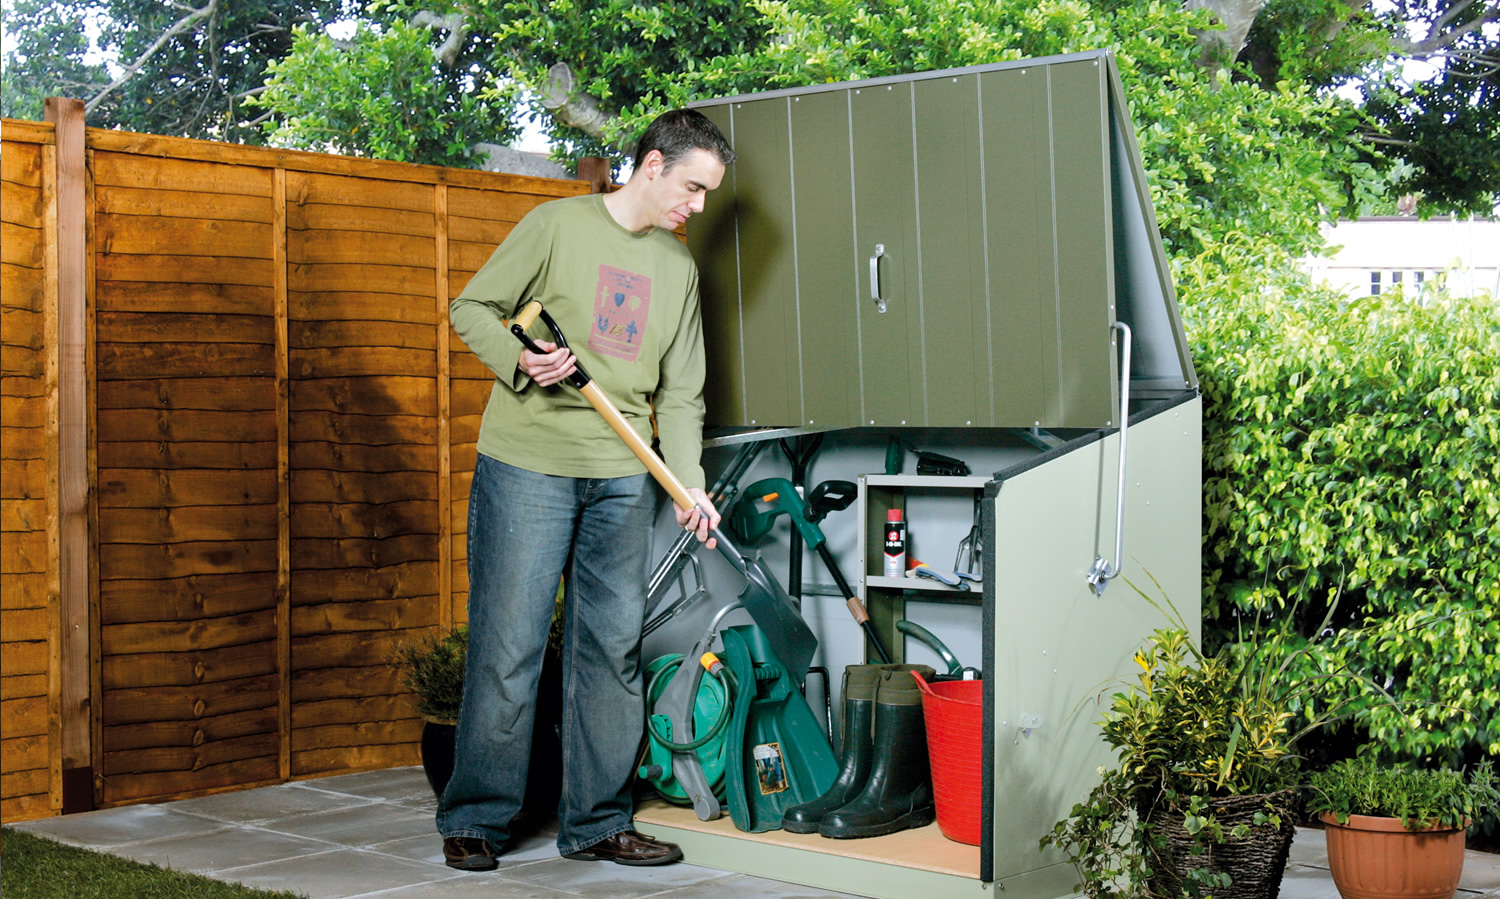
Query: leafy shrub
[433,669]
[1419,797]
[1353,448]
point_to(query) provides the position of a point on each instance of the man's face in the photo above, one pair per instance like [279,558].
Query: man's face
[679,191]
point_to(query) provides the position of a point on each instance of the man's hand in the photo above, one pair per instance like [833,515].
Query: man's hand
[550,367]
[694,520]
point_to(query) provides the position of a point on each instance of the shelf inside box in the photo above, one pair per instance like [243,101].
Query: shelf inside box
[923,848]
[975,591]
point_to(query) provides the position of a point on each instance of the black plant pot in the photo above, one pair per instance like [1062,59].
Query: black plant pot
[544,773]
[437,754]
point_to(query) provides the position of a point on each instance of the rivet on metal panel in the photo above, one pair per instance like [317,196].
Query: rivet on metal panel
[968,422]
[888,86]
[872,421]
[752,421]
[903,421]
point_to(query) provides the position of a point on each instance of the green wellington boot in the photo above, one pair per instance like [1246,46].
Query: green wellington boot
[856,757]
[898,793]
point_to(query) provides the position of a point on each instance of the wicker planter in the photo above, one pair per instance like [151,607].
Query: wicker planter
[1377,858]
[1254,863]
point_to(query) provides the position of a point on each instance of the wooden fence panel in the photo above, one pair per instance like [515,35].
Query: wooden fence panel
[185,372]
[27,525]
[363,384]
[479,220]
[284,433]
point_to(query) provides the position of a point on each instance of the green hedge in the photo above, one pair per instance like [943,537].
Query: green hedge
[1352,448]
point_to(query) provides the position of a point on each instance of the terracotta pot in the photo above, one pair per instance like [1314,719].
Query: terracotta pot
[1377,858]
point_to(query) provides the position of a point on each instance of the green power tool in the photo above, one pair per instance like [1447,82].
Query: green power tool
[766,500]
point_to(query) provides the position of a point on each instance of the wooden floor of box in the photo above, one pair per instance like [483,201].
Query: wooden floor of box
[924,848]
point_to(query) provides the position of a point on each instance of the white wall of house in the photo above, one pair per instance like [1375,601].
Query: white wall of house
[1374,255]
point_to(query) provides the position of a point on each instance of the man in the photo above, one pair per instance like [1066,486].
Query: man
[557,494]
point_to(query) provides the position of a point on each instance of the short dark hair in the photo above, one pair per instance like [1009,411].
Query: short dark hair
[679,132]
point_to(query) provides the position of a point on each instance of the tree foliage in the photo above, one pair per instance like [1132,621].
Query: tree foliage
[383,94]
[1440,132]
[181,70]
[595,71]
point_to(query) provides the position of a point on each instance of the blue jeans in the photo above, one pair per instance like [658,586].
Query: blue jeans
[525,531]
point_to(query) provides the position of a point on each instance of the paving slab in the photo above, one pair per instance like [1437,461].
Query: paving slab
[108,828]
[266,803]
[607,880]
[429,848]
[475,886]
[371,835]
[1303,882]
[231,847]
[1481,872]
[338,874]
[1309,847]
[360,825]
[743,886]
[388,784]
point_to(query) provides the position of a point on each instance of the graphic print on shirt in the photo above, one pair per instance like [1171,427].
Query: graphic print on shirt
[621,302]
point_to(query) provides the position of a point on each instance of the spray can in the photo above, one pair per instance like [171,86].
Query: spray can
[895,544]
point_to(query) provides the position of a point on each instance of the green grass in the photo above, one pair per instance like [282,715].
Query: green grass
[35,868]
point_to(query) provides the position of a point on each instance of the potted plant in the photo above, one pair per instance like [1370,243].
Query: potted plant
[433,670]
[1398,831]
[1203,798]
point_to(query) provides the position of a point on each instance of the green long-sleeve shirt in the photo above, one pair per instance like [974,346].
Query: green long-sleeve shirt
[628,304]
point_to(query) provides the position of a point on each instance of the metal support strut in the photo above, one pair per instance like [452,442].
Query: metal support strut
[1102,572]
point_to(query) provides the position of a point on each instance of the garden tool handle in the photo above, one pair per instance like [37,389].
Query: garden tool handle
[525,318]
[638,445]
[767,603]
[856,608]
[527,315]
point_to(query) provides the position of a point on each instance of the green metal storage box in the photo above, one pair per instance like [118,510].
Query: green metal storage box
[945,249]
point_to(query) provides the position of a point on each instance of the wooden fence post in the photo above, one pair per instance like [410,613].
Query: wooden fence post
[283,475]
[444,411]
[74,430]
[595,170]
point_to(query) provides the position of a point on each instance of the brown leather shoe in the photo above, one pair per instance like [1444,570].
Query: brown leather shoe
[630,848]
[470,854]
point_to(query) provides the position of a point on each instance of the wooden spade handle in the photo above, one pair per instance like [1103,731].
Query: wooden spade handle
[524,318]
[653,462]
[526,315]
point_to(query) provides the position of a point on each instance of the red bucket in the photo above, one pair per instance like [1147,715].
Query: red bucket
[954,714]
